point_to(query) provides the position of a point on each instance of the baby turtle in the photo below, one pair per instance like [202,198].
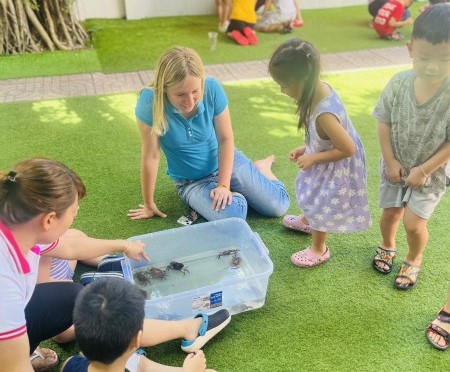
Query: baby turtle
[229,252]
[178,266]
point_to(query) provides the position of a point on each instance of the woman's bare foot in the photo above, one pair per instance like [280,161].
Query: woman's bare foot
[265,166]
[195,362]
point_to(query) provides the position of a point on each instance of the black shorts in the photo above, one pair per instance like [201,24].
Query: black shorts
[239,25]
[49,311]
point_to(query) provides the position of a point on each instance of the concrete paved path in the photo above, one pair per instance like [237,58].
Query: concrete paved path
[40,88]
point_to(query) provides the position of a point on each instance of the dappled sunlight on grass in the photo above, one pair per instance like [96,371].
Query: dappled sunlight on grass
[121,103]
[359,87]
[98,138]
[55,111]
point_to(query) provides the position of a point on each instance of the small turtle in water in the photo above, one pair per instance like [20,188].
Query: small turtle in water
[177,266]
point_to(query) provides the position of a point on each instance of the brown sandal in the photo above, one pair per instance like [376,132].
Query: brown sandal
[385,256]
[409,272]
[444,317]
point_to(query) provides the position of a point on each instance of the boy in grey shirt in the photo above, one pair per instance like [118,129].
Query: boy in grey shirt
[413,115]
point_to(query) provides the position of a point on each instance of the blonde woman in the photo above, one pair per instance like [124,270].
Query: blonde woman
[186,115]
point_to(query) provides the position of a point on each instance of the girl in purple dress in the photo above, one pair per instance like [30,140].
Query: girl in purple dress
[331,184]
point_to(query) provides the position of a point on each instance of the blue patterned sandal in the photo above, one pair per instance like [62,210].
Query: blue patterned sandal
[384,256]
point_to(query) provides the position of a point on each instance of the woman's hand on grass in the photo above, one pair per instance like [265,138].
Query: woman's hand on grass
[144,212]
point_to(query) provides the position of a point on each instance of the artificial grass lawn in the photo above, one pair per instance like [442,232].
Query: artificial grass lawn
[121,45]
[341,316]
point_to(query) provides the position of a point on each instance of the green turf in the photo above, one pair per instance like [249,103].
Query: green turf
[122,45]
[341,316]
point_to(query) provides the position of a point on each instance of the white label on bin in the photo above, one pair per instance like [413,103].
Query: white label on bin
[206,302]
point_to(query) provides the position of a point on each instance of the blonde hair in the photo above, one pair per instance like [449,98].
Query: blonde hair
[172,68]
[36,186]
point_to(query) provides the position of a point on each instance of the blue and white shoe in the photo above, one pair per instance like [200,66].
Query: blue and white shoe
[111,263]
[92,276]
[211,325]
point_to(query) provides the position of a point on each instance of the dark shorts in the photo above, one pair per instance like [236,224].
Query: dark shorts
[239,25]
[49,311]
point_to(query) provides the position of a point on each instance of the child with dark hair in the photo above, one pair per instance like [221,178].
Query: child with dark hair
[389,19]
[432,2]
[414,132]
[331,183]
[375,5]
[109,321]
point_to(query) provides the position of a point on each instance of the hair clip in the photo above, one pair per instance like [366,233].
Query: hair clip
[12,176]
[10,180]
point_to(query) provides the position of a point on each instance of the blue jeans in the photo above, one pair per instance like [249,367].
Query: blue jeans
[249,186]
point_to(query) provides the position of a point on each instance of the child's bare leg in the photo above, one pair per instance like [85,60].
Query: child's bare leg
[389,222]
[265,166]
[417,236]
[318,245]
[159,331]
[446,326]
[193,363]
[64,337]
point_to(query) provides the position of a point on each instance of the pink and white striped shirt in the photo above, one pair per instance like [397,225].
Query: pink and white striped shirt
[18,274]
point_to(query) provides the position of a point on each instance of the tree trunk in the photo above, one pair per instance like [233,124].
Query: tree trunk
[38,25]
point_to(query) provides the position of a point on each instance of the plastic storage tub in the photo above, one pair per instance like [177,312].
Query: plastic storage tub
[225,265]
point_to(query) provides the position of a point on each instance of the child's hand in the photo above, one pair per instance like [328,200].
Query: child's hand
[416,178]
[220,196]
[194,362]
[294,154]
[408,21]
[394,171]
[306,161]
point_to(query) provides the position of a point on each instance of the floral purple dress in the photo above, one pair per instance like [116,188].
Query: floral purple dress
[333,195]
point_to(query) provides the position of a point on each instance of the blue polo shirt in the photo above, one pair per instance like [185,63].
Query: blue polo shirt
[190,145]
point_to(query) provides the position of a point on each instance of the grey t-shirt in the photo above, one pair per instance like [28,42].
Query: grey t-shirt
[417,131]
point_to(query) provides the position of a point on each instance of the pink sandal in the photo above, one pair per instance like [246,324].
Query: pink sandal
[296,223]
[307,258]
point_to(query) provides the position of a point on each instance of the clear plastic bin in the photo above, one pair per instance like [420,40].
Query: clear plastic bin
[225,265]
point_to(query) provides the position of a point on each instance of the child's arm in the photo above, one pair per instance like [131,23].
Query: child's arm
[398,24]
[328,127]
[419,175]
[394,169]
[267,5]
